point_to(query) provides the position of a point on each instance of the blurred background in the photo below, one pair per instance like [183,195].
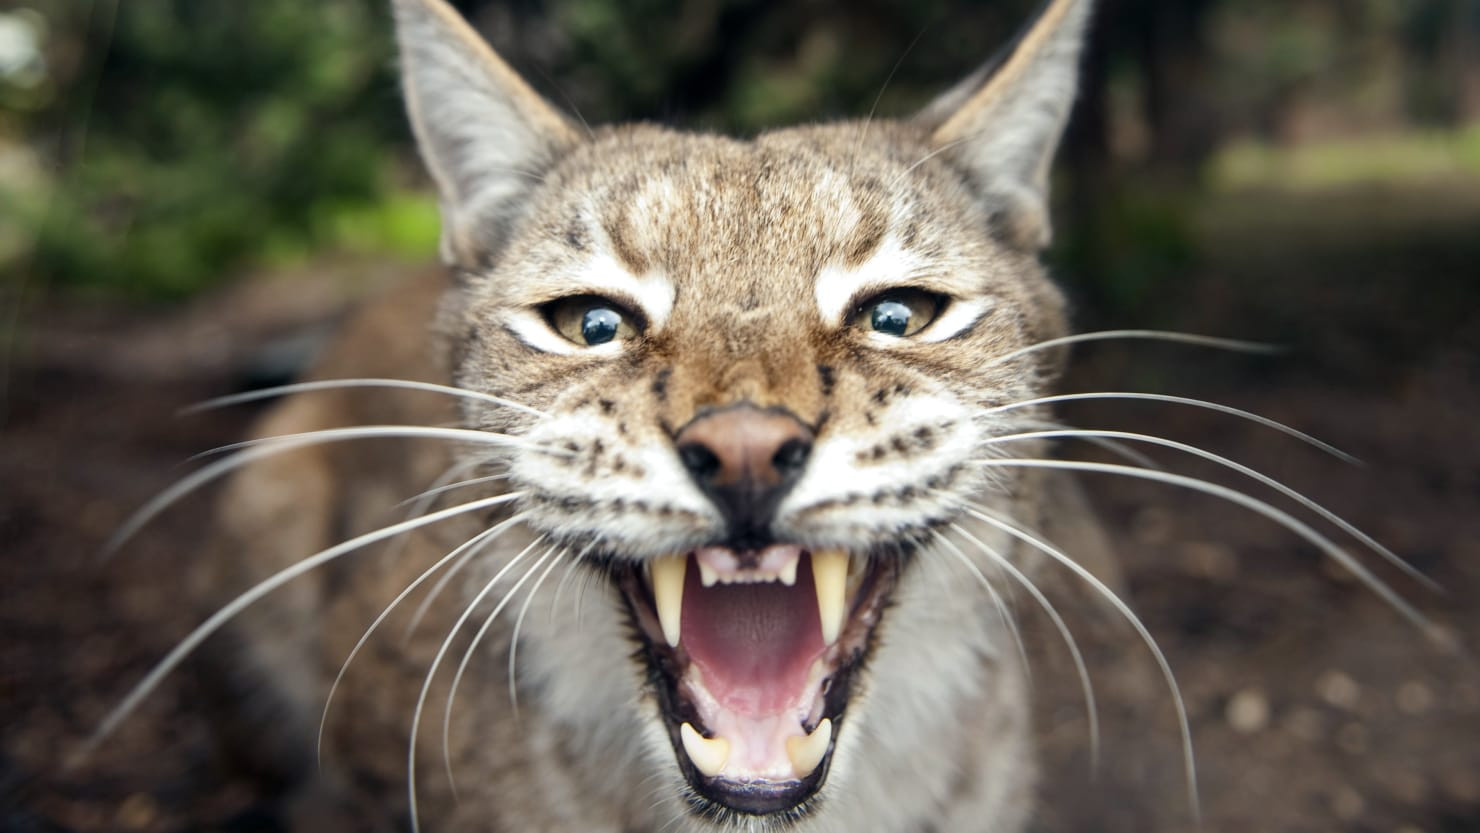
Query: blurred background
[193,192]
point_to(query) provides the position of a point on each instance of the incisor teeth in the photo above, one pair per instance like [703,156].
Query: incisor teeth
[789,572]
[707,574]
[807,752]
[709,755]
[830,572]
[668,594]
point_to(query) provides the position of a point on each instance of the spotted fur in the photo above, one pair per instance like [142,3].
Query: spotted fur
[743,265]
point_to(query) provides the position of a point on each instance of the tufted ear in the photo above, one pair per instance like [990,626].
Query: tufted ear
[1003,123]
[486,136]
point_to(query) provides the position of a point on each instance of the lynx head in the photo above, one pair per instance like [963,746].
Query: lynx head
[761,376]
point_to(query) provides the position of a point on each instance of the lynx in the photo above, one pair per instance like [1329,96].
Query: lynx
[734,448]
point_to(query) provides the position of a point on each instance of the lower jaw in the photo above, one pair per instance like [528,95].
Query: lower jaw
[761,798]
[758,796]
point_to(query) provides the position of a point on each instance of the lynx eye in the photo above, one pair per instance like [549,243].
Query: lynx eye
[591,320]
[898,312]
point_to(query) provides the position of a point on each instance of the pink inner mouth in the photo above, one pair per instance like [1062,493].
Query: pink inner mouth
[753,644]
[754,652]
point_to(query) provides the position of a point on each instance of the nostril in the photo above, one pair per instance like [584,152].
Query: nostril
[702,463]
[745,460]
[791,456]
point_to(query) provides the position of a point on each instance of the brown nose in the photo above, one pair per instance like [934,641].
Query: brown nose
[745,459]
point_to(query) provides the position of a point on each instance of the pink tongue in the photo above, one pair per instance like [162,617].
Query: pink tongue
[753,643]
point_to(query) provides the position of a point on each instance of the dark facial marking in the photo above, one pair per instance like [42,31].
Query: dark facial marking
[575,235]
[827,377]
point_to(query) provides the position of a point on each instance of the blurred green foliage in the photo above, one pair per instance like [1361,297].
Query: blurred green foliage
[739,66]
[165,143]
[1406,157]
[173,140]
[184,136]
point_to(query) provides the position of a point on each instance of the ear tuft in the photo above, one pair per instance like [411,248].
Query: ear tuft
[1004,122]
[486,136]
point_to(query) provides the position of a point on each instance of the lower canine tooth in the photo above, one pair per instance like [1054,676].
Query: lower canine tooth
[668,575]
[709,755]
[830,571]
[707,574]
[789,571]
[807,752]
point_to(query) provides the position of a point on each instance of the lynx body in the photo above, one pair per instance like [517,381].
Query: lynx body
[730,507]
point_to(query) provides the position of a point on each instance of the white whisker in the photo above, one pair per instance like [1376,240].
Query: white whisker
[361,432]
[331,384]
[931,155]
[467,656]
[869,119]
[461,484]
[277,445]
[1336,520]
[426,683]
[1119,449]
[586,579]
[672,821]
[1277,515]
[472,546]
[1125,452]
[1180,400]
[570,573]
[421,503]
[262,588]
[518,625]
[1189,762]
[1087,688]
[1001,606]
[425,605]
[1234,345]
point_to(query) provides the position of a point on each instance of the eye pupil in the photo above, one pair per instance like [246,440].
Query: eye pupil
[891,318]
[599,325]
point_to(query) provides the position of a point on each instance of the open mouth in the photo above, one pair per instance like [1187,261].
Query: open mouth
[752,655]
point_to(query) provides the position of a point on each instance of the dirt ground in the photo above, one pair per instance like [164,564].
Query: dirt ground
[1314,705]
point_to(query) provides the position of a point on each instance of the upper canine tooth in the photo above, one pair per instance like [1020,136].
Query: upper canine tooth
[668,574]
[709,755]
[830,572]
[807,752]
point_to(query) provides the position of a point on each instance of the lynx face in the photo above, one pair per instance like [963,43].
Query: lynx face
[764,368]
[765,375]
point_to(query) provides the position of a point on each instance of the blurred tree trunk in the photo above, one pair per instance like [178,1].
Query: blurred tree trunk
[1460,59]
[1164,46]
[1171,52]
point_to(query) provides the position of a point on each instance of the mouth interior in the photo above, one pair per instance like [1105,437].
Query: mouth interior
[752,644]
[751,655]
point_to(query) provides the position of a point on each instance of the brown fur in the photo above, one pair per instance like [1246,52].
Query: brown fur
[738,234]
